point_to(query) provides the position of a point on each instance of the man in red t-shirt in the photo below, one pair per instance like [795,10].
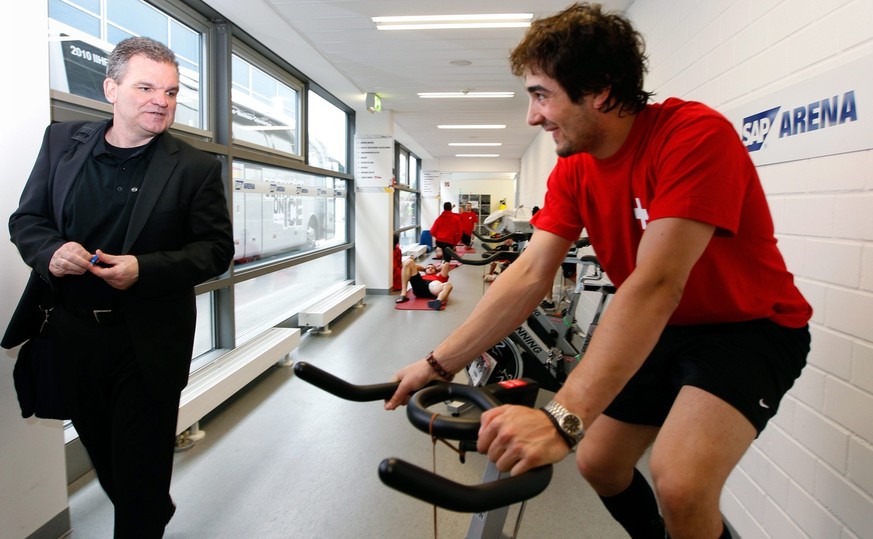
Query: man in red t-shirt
[707,330]
[469,218]
[426,281]
[446,229]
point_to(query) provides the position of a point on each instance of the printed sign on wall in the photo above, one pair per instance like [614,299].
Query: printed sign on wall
[824,115]
[374,161]
[430,183]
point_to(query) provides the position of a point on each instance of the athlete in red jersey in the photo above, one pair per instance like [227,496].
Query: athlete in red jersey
[707,330]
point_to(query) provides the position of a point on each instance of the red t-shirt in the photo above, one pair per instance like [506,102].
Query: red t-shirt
[446,228]
[468,222]
[435,277]
[681,159]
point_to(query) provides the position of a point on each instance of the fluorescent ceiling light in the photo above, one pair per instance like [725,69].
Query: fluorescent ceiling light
[471,126]
[443,22]
[449,95]
[475,143]
[477,155]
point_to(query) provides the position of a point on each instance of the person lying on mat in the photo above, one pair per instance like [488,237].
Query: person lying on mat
[426,282]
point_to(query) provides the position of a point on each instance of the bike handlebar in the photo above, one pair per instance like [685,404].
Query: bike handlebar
[425,485]
[516,236]
[436,490]
[495,255]
[454,428]
[336,386]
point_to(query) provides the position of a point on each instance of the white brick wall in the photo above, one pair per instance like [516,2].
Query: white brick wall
[810,474]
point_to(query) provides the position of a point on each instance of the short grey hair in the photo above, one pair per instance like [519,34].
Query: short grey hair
[126,49]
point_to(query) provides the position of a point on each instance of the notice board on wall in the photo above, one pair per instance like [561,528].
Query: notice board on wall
[374,161]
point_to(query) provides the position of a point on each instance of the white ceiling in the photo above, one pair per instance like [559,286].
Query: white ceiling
[397,65]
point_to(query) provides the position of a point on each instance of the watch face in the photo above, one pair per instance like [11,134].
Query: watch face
[571,424]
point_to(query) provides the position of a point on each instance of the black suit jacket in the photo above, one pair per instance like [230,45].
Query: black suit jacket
[180,232]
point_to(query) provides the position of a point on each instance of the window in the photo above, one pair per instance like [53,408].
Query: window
[402,166]
[407,209]
[277,212]
[83,32]
[328,134]
[265,108]
[263,302]
[406,198]
[413,172]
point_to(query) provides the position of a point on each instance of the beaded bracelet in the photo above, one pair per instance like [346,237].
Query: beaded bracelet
[434,364]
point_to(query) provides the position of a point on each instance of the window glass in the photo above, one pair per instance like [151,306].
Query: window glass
[134,16]
[91,5]
[185,42]
[402,167]
[413,172]
[408,237]
[81,37]
[407,209]
[402,164]
[87,22]
[278,212]
[203,335]
[328,134]
[263,302]
[265,109]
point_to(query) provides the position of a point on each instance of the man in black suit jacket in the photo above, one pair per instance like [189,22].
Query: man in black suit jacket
[123,220]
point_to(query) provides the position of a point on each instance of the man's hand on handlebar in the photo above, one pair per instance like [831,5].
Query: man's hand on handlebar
[412,378]
[518,438]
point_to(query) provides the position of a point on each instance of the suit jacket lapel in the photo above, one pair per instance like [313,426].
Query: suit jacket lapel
[69,167]
[163,162]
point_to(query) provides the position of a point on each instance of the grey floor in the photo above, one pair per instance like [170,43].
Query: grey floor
[283,459]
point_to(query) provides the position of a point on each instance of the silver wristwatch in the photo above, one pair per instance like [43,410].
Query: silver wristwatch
[568,424]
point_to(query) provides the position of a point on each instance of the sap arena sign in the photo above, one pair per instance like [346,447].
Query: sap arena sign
[826,114]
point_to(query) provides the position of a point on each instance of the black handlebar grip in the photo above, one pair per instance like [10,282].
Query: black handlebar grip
[341,388]
[494,255]
[516,236]
[436,490]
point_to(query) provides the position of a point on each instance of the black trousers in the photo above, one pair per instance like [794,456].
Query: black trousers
[128,434]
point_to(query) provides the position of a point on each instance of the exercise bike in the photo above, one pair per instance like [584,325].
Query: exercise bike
[544,347]
[489,501]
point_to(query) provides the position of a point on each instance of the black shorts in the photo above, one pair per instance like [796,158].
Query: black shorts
[420,286]
[750,365]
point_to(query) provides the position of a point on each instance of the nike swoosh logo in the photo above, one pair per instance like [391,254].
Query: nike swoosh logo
[763,404]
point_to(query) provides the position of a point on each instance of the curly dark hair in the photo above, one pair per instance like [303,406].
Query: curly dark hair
[587,51]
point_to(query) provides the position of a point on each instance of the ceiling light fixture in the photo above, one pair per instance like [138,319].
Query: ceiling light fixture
[472,126]
[453,95]
[447,22]
[477,155]
[475,144]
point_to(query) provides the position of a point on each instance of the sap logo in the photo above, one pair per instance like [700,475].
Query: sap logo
[757,127]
